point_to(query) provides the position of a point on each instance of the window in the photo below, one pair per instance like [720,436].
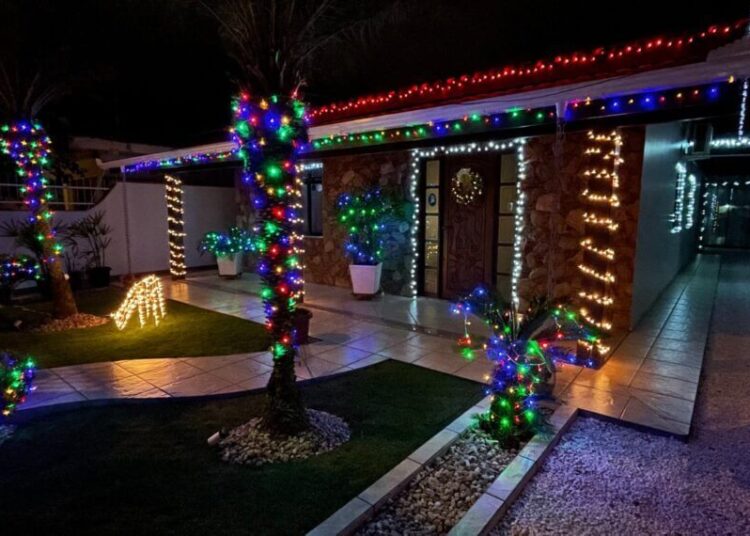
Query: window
[312,200]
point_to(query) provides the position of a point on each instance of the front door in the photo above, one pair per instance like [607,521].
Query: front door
[468,224]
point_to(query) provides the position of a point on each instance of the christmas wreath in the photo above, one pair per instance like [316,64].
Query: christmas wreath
[466,186]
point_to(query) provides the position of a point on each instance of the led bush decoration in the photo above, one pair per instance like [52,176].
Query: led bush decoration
[522,348]
[175,227]
[16,378]
[16,269]
[28,146]
[145,296]
[601,182]
[361,215]
[271,133]
[226,244]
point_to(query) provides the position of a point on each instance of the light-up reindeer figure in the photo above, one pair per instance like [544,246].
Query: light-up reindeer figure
[523,348]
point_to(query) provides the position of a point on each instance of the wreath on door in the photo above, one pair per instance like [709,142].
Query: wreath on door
[466,186]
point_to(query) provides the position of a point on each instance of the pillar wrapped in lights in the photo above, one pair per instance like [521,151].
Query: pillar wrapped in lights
[600,185]
[271,132]
[175,227]
[29,147]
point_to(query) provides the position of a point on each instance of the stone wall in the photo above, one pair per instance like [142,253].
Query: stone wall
[324,256]
[554,219]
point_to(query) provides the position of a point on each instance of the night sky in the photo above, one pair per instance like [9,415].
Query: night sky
[155,71]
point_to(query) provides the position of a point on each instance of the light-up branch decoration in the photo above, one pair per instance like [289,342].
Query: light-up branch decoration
[522,348]
[271,133]
[175,227]
[146,297]
[16,378]
[29,147]
[600,186]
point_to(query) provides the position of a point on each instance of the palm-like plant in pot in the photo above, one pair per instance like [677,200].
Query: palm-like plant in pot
[91,237]
[362,215]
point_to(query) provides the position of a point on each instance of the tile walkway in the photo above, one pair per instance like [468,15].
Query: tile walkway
[650,380]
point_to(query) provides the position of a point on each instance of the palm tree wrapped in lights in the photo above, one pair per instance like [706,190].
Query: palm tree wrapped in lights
[523,349]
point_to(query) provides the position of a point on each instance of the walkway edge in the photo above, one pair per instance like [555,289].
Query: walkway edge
[350,517]
[482,517]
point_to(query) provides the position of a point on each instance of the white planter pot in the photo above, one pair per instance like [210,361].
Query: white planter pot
[365,279]
[230,266]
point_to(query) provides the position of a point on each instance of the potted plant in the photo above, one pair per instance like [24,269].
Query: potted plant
[362,216]
[228,249]
[14,269]
[91,237]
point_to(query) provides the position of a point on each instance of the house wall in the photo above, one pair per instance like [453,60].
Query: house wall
[554,219]
[324,256]
[660,255]
[207,208]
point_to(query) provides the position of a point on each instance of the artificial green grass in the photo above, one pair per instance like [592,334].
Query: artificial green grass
[146,468]
[186,331]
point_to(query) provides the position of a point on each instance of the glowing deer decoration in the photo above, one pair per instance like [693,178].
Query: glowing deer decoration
[147,297]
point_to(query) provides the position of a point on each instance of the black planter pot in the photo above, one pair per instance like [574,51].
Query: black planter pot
[99,276]
[5,294]
[76,279]
[302,325]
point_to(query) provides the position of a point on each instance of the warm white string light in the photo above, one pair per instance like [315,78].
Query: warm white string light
[417,155]
[175,226]
[145,296]
[692,191]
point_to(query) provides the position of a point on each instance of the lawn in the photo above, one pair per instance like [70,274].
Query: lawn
[186,331]
[145,468]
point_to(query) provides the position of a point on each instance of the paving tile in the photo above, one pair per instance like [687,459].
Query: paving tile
[433,447]
[371,359]
[481,515]
[203,384]
[214,362]
[678,346]
[669,407]
[317,367]
[378,341]
[680,358]
[258,382]
[129,387]
[347,516]
[43,401]
[643,414]
[505,486]
[431,342]
[479,370]
[241,371]
[449,363]
[405,352]
[390,483]
[171,372]
[466,419]
[343,355]
[594,400]
[263,357]
[664,385]
[612,378]
[671,370]
[139,366]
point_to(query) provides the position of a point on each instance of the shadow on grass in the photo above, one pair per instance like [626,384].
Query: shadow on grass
[146,469]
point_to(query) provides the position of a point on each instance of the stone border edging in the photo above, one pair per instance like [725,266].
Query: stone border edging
[350,517]
[499,497]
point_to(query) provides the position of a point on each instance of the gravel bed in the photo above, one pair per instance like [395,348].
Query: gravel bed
[604,478]
[246,444]
[76,321]
[5,433]
[444,491]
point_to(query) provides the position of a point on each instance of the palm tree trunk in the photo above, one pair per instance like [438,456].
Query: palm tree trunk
[29,147]
[271,132]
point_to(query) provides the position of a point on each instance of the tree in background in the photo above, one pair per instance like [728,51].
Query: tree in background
[273,43]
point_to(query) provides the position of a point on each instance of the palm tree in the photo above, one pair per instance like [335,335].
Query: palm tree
[273,43]
[24,92]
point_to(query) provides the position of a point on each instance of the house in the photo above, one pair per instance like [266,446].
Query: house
[576,177]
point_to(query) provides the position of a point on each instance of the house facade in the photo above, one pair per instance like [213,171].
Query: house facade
[578,178]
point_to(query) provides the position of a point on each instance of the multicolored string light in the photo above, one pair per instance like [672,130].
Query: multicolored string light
[522,348]
[28,146]
[20,268]
[362,217]
[16,379]
[227,244]
[271,133]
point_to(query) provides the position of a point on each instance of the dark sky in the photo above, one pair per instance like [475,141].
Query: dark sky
[156,72]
